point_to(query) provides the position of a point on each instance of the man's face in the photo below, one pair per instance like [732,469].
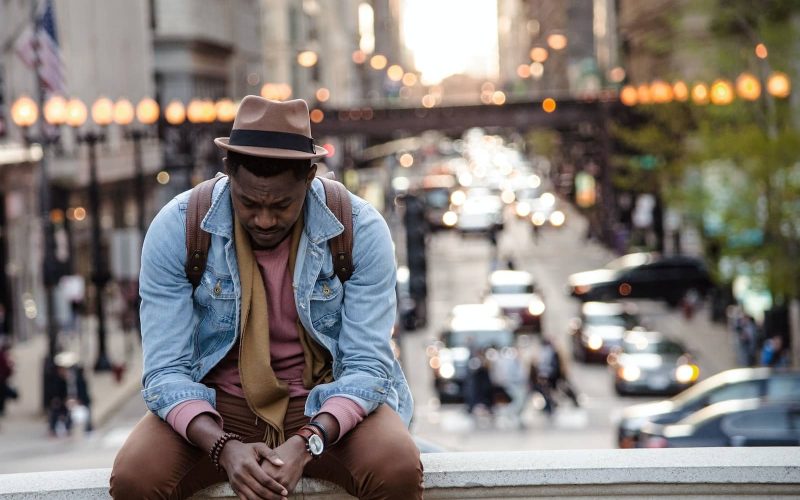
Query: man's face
[268,207]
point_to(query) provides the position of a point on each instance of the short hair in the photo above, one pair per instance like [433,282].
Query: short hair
[266,167]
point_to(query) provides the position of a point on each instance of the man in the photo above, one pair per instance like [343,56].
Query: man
[234,368]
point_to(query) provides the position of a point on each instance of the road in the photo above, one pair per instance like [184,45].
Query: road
[458,269]
[457,272]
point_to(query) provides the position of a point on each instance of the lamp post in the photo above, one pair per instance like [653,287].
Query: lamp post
[146,112]
[25,113]
[102,115]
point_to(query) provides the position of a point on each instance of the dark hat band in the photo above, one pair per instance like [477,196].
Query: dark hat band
[271,139]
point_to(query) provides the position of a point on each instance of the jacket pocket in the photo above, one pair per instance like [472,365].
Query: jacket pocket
[326,306]
[216,298]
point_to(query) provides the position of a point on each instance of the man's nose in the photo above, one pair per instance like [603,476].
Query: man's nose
[265,219]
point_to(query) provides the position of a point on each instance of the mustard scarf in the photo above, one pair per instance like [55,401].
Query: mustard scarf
[266,395]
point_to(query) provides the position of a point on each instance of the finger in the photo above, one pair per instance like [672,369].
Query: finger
[269,454]
[260,492]
[264,485]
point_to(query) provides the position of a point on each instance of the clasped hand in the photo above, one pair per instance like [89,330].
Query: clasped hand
[257,472]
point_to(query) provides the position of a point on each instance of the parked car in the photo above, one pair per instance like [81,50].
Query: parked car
[449,355]
[736,422]
[600,328]
[643,275]
[651,363]
[739,383]
[515,293]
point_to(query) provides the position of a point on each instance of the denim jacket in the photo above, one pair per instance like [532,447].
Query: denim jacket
[185,336]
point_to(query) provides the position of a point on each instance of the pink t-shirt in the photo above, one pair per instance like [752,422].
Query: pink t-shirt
[286,352]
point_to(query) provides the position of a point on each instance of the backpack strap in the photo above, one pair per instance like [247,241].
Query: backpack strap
[338,200]
[197,240]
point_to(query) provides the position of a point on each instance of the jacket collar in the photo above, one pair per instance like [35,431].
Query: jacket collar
[320,223]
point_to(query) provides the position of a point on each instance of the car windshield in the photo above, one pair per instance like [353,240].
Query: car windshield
[479,339]
[438,198]
[644,347]
[630,260]
[625,320]
[503,289]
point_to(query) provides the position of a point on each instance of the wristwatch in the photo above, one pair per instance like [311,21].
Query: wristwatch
[314,443]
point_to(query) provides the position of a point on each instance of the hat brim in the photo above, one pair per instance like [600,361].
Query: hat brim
[284,154]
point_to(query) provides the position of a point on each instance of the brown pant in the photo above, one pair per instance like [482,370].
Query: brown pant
[377,459]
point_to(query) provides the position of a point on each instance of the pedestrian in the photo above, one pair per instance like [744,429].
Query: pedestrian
[747,331]
[509,375]
[478,385]
[7,391]
[272,368]
[773,353]
[553,375]
[59,417]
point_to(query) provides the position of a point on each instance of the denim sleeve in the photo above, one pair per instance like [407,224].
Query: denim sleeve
[364,365]
[167,316]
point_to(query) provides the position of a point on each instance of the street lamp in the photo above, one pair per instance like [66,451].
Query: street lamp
[24,113]
[102,114]
[146,112]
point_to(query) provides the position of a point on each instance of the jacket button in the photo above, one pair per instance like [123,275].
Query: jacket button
[326,290]
[218,289]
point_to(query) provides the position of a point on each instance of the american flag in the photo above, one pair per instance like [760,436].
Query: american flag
[39,47]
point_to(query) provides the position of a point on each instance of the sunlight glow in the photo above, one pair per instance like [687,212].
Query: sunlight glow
[447,39]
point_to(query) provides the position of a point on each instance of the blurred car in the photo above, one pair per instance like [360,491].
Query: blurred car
[449,356]
[515,293]
[479,212]
[436,191]
[643,275]
[739,383]
[544,213]
[600,328]
[736,422]
[650,363]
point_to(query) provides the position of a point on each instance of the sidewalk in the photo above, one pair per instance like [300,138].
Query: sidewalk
[24,425]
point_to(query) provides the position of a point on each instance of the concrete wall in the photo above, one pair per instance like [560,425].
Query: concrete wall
[699,473]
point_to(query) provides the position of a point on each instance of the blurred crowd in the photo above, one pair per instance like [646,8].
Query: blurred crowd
[502,377]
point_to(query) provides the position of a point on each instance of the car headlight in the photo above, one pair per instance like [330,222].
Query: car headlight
[594,342]
[687,373]
[536,307]
[447,370]
[538,219]
[523,209]
[450,218]
[557,218]
[629,373]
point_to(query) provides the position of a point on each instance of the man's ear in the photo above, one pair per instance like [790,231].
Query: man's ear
[312,172]
[226,165]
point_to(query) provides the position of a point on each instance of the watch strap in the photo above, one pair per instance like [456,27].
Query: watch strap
[306,432]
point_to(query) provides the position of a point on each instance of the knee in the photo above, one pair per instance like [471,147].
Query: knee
[399,472]
[135,479]
[124,483]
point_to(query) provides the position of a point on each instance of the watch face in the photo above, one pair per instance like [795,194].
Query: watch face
[315,445]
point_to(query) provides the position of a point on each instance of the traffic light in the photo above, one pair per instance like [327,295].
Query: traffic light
[416,229]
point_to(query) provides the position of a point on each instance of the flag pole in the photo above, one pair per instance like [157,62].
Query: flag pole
[48,265]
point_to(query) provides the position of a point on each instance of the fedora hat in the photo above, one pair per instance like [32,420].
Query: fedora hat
[272,129]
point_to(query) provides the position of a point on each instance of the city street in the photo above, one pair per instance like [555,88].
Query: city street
[458,269]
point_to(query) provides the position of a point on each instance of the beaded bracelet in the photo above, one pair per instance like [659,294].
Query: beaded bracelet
[216,450]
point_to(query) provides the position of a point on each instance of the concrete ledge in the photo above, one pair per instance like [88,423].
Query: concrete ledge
[697,472]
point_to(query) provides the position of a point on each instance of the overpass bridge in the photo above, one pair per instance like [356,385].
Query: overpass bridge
[383,123]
